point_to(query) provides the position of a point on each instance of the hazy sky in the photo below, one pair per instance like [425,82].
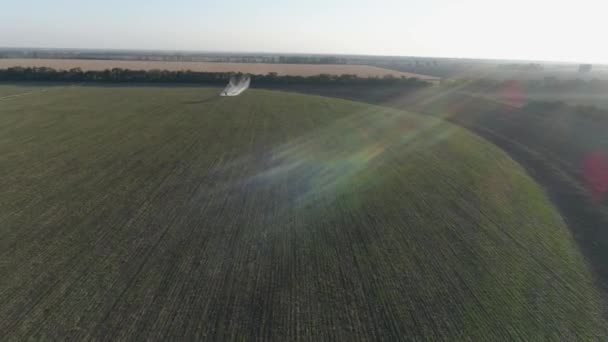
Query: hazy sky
[517,29]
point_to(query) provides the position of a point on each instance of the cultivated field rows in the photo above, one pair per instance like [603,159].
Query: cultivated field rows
[157,213]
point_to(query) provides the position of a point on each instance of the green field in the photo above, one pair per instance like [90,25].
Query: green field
[163,213]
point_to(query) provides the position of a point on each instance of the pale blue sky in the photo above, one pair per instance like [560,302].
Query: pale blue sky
[515,29]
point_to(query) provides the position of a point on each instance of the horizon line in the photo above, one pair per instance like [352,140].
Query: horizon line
[237,52]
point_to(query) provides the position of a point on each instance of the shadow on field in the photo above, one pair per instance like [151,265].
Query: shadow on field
[201,101]
[587,220]
[561,179]
[554,164]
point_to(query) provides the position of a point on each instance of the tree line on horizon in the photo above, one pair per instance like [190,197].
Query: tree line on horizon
[117,75]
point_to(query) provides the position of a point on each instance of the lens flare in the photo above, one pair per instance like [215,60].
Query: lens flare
[340,156]
[595,169]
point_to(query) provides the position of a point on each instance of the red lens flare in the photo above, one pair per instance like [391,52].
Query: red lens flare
[595,169]
[512,92]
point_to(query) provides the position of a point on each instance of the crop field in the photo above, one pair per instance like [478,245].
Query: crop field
[563,146]
[134,213]
[249,68]
[8,92]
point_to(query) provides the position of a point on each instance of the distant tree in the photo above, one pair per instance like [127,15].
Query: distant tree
[118,75]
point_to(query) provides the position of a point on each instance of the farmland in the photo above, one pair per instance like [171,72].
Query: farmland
[555,142]
[249,68]
[170,212]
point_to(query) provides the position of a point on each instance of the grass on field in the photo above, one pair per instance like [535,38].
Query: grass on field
[157,212]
